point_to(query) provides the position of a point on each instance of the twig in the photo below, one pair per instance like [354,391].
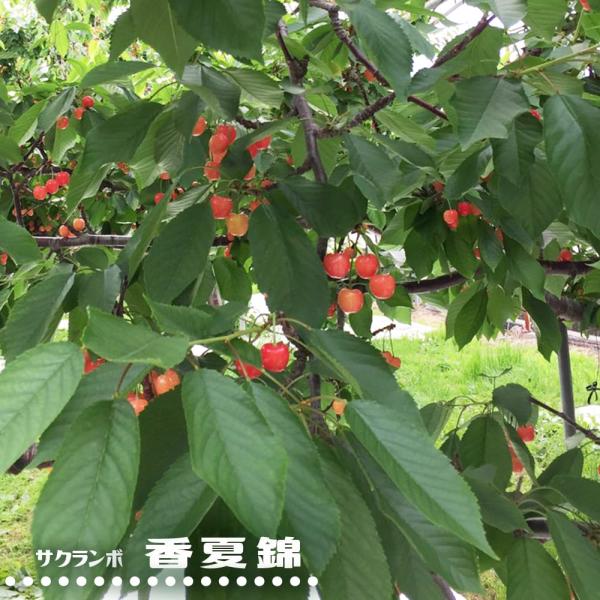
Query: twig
[247,123]
[587,432]
[389,327]
[16,199]
[456,50]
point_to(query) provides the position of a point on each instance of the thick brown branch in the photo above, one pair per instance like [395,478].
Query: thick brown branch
[110,241]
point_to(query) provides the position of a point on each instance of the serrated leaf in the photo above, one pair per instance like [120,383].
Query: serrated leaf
[550,337]
[544,16]
[583,494]
[179,254]
[176,505]
[122,35]
[578,556]
[57,107]
[358,363]
[422,473]
[114,71]
[33,316]
[352,575]
[385,42]
[486,106]
[155,23]
[18,242]
[569,463]
[234,26]
[574,155]
[484,443]
[116,340]
[24,127]
[31,398]
[525,268]
[533,574]
[234,283]
[470,318]
[87,500]
[513,398]
[258,85]
[234,451]
[309,508]
[9,150]
[284,260]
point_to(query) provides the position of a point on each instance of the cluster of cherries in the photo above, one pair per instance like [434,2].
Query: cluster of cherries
[337,265]
[86,102]
[60,180]
[274,357]
[464,209]
[527,434]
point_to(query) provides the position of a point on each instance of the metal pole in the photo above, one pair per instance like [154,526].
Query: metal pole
[566,380]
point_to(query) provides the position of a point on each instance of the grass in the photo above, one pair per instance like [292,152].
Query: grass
[432,370]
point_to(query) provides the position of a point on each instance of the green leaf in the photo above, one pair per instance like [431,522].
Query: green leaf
[234,26]
[198,323]
[46,8]
[18,242]
[484,443]
[9,150]
[116,340]
[457,305]
[513,398]
[569,463]
[99,289]
[470,318]
[179,254]
[352,574]
[24,127]
[34,315]
[97,386]
[578,556]
[549,338]
[442,552]
[122,35]
[332,211]
[130,258]
[420,471]
[114,71]
[374,172]
[284,260]
[467,175]
[574,155]
[509,12]
[57,107]
[176,505]
[583,494]
[155,23]
[524,268]
[118,138]
[87,501]
[358,363]
[309,508]
[32,397]
[258,86]
[486,106]
[234,450]
[385,43]
[234,283]
[544,16]
[513,156]
[533,574]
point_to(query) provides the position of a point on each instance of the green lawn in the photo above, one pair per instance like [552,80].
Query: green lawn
[432,370]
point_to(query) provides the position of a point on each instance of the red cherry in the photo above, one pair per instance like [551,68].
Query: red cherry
[123,167]
[62,122]
[237,224]
[251,174]
[332,309]
[64,231]
[228,131]
[164,176]
[199,127]
[337,265]
[438,186]
[3,259]
[218,143]
[382,286]
[535,113]
[477,253]
[247,370]
[275,357]
[350,300]
[526,433]
[391,360]
[366,265]
[52,186]
[499,234]
[339,406]
[78,113]
[264,143]
[78,224]
[89,364]
[289,159]
[158,197]
[221,206]
[212,172]
[40,192]
[517,465]
[451,218]
[475,211]
[464,208]
[63,178]
[585,4]
[349,252]
[254,204]
[370,76]
[138,403]
[565,255]
[87,102]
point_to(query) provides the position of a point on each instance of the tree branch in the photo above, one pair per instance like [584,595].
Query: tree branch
[110,241]
[456,50]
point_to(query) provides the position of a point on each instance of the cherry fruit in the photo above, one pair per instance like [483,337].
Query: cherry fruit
[366,265]
[275,357]
[337,265]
